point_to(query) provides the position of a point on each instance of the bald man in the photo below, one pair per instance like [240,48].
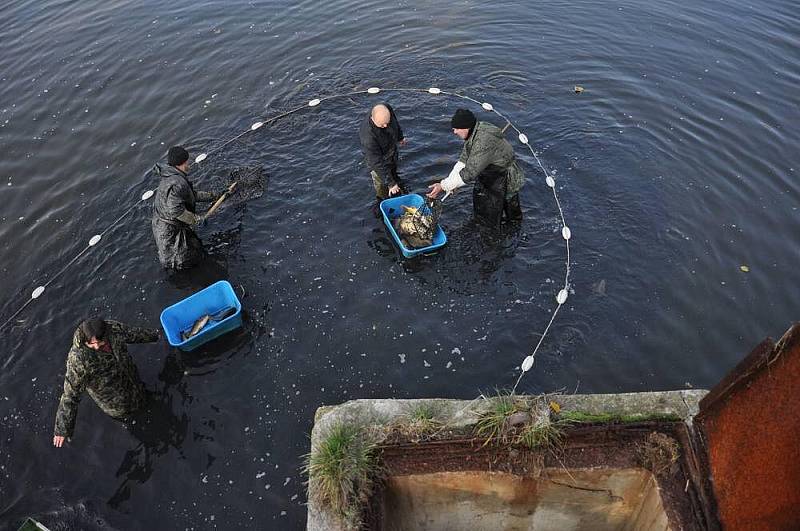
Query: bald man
[380,134]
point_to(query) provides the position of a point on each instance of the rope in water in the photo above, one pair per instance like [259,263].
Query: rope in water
[561,297]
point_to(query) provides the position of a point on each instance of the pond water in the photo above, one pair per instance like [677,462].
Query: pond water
[675,166]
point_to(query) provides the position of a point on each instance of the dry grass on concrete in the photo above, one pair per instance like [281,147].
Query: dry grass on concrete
[658,452]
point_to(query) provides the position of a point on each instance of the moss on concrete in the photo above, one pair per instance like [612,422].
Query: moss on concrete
[583,417]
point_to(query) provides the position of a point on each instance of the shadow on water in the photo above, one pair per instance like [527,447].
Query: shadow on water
[157,428]
[472,249]
[212,268]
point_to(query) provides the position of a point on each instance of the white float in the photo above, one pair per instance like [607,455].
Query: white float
[93,241]
[527,364]
[561,298]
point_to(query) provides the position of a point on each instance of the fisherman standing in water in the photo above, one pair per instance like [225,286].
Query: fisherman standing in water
[174,213]
[380,134]
[488,159]
[99,363]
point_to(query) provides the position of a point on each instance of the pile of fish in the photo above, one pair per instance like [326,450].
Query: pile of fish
[415,227]
[202,322]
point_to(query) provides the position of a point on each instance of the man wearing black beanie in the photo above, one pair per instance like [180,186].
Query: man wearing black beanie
[488,160]
[174,212]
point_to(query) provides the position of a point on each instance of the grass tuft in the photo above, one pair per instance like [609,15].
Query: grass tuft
[421,421]
[540,436]
[492,423]
[341,470]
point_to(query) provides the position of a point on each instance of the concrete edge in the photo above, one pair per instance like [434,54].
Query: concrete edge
[462,414]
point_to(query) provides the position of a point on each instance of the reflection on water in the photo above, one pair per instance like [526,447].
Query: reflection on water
[158,430]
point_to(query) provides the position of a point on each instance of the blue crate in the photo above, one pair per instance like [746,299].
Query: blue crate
[210,300]
[393,208]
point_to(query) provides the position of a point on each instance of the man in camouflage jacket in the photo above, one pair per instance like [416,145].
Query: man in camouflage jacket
[488,160]
[99,363]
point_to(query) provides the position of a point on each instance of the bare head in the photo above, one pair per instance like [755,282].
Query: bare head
[381,116]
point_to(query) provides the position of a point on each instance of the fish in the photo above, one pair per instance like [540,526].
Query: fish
[414,227]
[223,314]
[204,320]
[411,228]
[196,327]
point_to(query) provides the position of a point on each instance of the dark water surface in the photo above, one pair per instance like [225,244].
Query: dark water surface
[676,166]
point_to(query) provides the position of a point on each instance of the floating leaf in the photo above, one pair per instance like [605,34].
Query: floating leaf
[555,406]
[744,269]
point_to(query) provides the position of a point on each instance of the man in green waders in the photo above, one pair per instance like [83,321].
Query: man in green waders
[99,364]
[488,160]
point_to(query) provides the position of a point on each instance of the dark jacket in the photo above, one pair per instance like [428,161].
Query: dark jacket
[486,146]
[380,146]
[173,214]
[110,378]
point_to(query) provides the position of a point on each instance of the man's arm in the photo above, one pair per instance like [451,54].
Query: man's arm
[479,158]
[206,197]
[176,208]
[74,386]
[137,334]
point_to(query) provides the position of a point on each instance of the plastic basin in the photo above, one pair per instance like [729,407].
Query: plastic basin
[208,301]
[392,208]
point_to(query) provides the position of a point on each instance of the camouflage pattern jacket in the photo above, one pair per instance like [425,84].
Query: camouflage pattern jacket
[110,378]
[486,146]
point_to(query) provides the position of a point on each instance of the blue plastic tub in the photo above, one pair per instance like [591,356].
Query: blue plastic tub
[393,208]
[182,315]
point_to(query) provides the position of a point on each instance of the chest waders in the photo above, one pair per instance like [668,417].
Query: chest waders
[489,196]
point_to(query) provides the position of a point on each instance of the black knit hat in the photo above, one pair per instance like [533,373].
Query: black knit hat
[177,155]
[463,119]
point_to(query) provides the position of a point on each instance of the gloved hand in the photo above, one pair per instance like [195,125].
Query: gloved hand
[454,180]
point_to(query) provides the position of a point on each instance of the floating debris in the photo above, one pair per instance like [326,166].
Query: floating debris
[744,269]
[578,89]
[599,287]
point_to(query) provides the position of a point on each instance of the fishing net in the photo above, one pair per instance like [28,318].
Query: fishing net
[417,225]
[251,181]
